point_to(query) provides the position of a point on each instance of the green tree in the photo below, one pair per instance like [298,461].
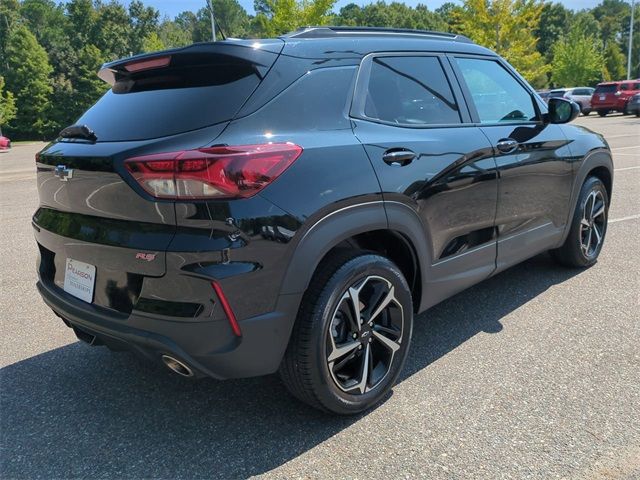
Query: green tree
[231,18]
[506,26]
[276,17]
[152,43]
[615,67]
[144,24]
[577,59]
[27,77]
[9,13]
[7,105]
[172,35]
[554,22]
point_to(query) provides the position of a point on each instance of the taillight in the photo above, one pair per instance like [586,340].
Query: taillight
[215,172]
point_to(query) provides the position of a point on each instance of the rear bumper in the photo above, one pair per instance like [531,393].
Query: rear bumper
[608,105]
[257,352]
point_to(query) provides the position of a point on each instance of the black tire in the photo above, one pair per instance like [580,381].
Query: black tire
[637,113]
[603,113]
[586,112]
[573,252]
[324,326]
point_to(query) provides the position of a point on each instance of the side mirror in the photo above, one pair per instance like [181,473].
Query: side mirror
[562,110]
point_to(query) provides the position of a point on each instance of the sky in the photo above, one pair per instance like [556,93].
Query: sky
[171,8]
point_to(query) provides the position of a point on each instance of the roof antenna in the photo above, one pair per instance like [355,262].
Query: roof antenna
[214,23]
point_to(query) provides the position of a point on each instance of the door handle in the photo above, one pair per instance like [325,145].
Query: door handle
[507,145]
[398,157]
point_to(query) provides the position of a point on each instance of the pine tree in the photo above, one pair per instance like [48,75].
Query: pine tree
[27,77]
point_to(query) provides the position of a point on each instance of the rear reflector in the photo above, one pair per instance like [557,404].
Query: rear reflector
[227,309]
[210,173]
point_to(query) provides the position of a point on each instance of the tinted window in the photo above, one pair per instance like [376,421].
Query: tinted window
[410,91]
[497,95]
[557,93]
[606,88]
[583,91]
[625,86]
[636,86]
[168,101]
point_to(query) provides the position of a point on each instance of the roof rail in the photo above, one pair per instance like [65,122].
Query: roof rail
[322,32]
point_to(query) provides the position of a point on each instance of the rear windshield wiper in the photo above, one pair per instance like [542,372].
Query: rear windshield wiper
[79,131]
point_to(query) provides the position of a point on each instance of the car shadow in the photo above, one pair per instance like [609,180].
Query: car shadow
[79,411]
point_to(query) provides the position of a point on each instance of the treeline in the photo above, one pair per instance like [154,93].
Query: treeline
[50,52]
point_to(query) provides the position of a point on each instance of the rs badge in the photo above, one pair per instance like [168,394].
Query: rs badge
[145,256]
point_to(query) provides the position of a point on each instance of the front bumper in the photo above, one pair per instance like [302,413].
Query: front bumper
[257,352]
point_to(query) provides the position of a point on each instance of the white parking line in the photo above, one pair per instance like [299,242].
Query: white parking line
[616,220]
[625,148]
[621,136]
[625,168]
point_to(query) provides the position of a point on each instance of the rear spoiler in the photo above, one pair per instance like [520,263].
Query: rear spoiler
[259,53]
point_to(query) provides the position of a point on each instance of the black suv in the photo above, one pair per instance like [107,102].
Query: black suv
[244,207]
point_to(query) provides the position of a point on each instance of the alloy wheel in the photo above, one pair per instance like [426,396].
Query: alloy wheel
[364,335]
[593,223]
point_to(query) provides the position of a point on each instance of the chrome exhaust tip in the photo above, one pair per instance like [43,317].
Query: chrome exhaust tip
[177,366]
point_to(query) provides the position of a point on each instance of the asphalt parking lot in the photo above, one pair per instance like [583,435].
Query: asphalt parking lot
[532,374]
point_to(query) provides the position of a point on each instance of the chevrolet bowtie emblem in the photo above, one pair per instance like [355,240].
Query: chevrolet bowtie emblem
[63,173]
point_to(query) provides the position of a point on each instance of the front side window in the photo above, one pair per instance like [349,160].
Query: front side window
[410,91]
[497,95]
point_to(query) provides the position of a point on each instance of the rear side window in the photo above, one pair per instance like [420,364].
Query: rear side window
[625,86]
[636,86]
[410,91]
[497,95]
[606,88]
[167,101]
[583,91]
[557,93]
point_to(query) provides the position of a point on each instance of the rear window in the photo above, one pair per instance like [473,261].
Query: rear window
[556,93]
[167,101]
[607,88]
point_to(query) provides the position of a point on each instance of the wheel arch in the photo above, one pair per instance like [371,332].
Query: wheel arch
[596,163]
[362,227]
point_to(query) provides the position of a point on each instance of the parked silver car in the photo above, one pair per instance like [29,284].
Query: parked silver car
[580,95]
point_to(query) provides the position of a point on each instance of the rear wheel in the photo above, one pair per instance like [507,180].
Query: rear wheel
[603,113]
[588,227]
[352,334]
[586,111]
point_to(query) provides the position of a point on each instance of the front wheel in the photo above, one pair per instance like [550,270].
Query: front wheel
[352,334]
[588,227]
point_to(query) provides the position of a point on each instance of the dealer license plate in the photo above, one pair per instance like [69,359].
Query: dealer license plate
[79,279]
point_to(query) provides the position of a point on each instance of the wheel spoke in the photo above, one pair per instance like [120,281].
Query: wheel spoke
[387,342]
[342,350]
[598,236]
[599,211]
[587,245]
[592,200]
[354,295]
[362,385]
[390,296]
[382,328]
[584,223]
